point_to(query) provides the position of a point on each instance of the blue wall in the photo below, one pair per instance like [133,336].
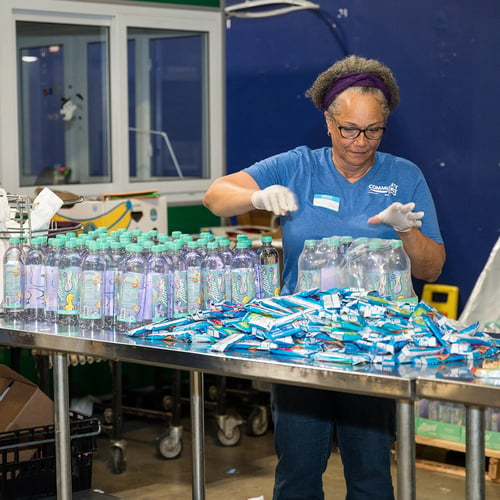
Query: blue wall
[445,56]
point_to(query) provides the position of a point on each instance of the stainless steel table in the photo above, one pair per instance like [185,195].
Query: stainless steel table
[197,359]
[448,383]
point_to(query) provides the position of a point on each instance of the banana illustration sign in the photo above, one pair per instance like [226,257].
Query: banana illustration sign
[117,217]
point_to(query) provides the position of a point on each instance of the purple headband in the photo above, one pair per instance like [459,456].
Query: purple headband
[355,80]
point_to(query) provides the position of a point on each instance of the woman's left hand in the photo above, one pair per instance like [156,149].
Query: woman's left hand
[400,217]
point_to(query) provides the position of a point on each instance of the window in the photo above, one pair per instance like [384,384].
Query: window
[111,98]
[167,113]
[63,103]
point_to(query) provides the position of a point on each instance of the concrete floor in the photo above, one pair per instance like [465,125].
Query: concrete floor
[240,472]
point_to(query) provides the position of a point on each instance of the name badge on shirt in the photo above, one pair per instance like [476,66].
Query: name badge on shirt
[327,201]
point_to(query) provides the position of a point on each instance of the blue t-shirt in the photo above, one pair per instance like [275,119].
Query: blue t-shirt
[331,205]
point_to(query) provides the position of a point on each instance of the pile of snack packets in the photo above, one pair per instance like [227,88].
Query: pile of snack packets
[347,325]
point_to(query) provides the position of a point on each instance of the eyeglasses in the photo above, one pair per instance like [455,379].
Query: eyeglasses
[371,133]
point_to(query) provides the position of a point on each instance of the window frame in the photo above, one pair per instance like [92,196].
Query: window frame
[117,18]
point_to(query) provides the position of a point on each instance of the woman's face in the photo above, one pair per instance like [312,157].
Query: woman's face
[355,110]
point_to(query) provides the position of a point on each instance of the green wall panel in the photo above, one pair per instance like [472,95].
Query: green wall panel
[20,360]
[190,219]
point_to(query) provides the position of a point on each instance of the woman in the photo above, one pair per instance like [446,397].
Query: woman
[347,189]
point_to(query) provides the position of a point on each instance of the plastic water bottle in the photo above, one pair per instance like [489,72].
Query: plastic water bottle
[185,239]
[13,284]
[68,289]
[375,269]
[208,235]
[345,243]
[252,253]
[399,272]
[166,254]
[92,289]
[161,277]
[163,238]
[112,278]
[321,250]
[243,275]
[179,289]
[156,293]
[332,270]
[52,260]
[34,288]
[153,235]
[193,277]
[202,247]
[354,256]
[226,255]
[147,246]
[125,239]
[269,268]
[213,276]
[82,240]
[132,288]
[136,233]
[309,276]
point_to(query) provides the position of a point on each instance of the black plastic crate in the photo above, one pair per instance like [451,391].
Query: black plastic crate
[28,459]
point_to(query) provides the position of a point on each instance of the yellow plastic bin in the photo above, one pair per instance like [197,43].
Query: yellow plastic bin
[444,298]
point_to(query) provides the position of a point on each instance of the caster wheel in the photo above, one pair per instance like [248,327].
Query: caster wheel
[168,446]
[212,393]
[168,403]
[108,416]
[231,440]
[257,422]
[117,460]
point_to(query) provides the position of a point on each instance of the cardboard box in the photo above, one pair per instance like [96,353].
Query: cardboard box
[22,404]
[492,440]
[452,432]
[130,213]
[439,430]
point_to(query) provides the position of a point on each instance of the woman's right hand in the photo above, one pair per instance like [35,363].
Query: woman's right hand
[277,199]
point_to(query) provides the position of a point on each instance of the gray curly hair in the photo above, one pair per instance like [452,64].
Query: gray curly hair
[348,66]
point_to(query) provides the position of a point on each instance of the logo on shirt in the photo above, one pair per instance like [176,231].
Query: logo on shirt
[391,189]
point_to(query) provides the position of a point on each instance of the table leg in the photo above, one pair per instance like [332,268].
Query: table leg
[62,426]
[197,434]
[474,453]
[406,450]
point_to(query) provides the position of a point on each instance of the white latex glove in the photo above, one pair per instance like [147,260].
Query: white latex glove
[277,199]
[400,217]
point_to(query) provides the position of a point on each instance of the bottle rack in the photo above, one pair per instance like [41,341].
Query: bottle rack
[20,207]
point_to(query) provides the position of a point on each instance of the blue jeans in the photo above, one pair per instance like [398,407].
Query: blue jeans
[305,424]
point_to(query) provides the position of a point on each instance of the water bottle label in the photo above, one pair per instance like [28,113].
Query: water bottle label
[91,296]
[400,284]
[180,294]
[109,292]
[148,298]
[12,286]
[270,280]
[375,281]
[35,285]
[130,307]
[67,291]
[159,300]
[242,285]
[193,277]
[51,279]
[227,282]
[308,280]
[215,289]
